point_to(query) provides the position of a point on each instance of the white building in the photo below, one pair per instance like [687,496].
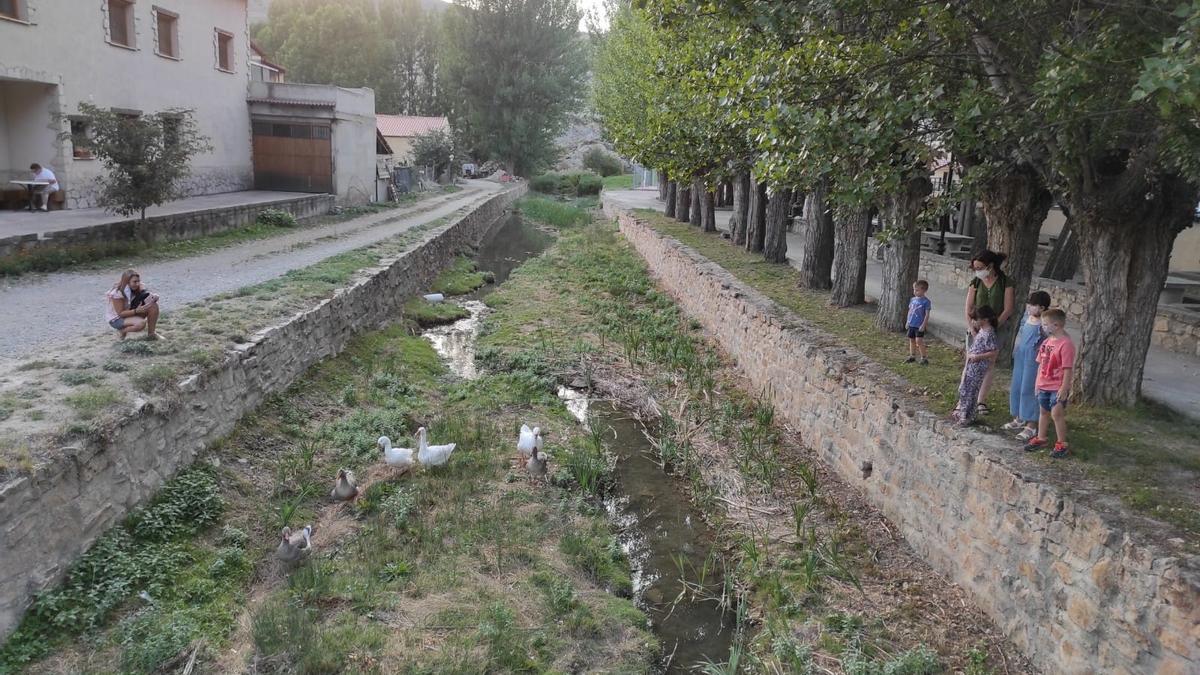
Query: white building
[146,56]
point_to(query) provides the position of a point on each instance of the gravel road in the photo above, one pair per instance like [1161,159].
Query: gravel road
[45,309]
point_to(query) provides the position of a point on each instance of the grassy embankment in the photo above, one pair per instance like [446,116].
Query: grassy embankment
[821,589]
[619,182]
[133,253]
[468,568]
[1148,455]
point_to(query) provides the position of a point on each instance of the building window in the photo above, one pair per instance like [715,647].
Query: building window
[120,23]
[167,30]
[224,51]
[13,9]
[81,138]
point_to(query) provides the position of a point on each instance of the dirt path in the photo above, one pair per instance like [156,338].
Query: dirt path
[64,305]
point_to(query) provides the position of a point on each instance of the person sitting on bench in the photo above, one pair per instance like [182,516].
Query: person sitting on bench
[44,191]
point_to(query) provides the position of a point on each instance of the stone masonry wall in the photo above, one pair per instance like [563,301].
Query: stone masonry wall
[172,227]
[1072,585]
[1175,329]
[49,518]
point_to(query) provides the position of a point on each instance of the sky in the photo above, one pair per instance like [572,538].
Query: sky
[589,6]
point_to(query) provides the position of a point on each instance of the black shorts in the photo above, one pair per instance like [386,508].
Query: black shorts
[915,332]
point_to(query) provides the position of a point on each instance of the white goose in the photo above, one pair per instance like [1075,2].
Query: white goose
[401,458]
[528,441]
[432,455]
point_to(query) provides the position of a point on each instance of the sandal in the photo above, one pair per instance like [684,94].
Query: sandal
[1014,425]
[983,409]
[1026,434]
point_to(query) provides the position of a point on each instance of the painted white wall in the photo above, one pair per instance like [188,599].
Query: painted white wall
[4,142]
[354,165]
[65,44]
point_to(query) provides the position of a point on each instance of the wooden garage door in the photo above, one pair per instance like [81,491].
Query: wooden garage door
[292,157]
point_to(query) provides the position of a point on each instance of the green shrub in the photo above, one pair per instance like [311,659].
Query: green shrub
[546,183]
[588,184]
[602,162]
[275,218]
[574,183]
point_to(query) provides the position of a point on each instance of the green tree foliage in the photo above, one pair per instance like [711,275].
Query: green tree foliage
[391,46]
[602,162]
[1095,105]
[514,70]
[145,157]
[434,148]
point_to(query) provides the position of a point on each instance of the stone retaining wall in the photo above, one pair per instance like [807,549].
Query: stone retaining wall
[1175,329]
[172,227]
[49,518]
[1072,585]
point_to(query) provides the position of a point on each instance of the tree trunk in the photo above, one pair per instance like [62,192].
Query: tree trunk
[779,214]
[1064,257]
[708,215]
[756,217]
[741,207]
[697,199]
[1126,232]
[850,257]
[662,186]
[683,202]
[815,231]
[1015,205]
[669,209]
[902,255]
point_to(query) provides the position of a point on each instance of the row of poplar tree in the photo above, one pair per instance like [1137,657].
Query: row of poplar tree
[1090,103]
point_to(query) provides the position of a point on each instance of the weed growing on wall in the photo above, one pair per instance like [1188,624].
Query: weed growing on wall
[146,555]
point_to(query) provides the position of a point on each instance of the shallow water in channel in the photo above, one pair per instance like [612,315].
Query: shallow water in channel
[664,536]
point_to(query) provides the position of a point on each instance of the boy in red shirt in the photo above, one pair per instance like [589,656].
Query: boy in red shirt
[1056,362]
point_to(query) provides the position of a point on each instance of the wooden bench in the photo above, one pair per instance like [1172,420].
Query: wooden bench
[15,200]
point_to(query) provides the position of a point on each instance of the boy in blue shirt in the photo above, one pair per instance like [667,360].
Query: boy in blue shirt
[919,309]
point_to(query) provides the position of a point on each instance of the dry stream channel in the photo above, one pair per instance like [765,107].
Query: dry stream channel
[665,538]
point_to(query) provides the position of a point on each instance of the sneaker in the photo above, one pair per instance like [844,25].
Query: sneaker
[1013,425]
[924,361]
[1026,434]
[911,359]
[1060,450]
[1035,444]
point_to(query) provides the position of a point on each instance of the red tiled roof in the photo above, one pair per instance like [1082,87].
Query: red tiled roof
[404,126]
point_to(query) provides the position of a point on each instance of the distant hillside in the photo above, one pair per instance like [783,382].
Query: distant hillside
[257,9]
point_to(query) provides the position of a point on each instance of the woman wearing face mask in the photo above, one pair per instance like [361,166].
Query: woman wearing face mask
[989,288]
[1022,398]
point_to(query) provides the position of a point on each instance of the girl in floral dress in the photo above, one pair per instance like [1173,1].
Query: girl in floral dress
[980,355]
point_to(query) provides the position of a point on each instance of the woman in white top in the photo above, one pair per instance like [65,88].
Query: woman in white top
[117,312]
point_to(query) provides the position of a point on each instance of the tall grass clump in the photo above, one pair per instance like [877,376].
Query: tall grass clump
[551,212]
